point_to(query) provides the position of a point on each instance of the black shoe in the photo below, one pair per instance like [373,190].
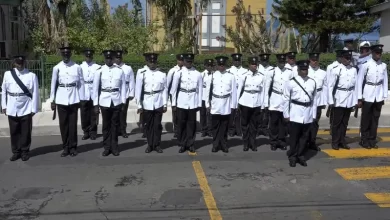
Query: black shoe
[214,150]
[192,149]
[93,136]
[283,147]
[85,136]
[182,150]
[148,149]
[25,157]
[115,153]
[65,153]
[203,134]
[302,163]
[364,144]
[175,135]
[73,152]
[344,146]
[158,149]
[335,147]
[293,164]
[246,148]
[254,148]
[225,150]
[143,135]
[231,134]
[106,153]
[210,135]
[125,135]
[15,157]
[273,147]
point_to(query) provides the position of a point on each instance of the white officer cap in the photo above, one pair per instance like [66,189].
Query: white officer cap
[365,44]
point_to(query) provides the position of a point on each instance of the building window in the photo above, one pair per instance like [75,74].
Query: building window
[15,30]
[2,25]
[14,17]
[2,50]
[15,14]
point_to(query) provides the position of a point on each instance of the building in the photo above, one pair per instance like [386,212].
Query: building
[11,28]
[217,14]
[384,10]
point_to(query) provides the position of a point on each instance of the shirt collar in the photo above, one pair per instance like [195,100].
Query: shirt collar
[70,63]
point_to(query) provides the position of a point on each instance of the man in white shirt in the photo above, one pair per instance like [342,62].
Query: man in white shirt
[299,111]
[238,71]
[20,101]
[109,89]
[372,92]
[67,90]
[266,69]
[130,88]
[88,115]
[205,117]
[321,98]
[151,97]
[365,54]
[251,100]
[171,73]
[344,81]
[348,45]
[291,62]
[186,95]
[274,96]
[220,100]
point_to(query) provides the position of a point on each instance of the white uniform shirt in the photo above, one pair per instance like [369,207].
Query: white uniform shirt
[292,68]
[89,71]
[206,79]
[111,81]
[320,77]
[347,90]
[170,75]
[238,73]
[155,89]
[224,93]
[376,87]
[71,83]
[363,60]
[293,92]
[189,95]
[252,88]
[12,100]
[129,78]
[279,81]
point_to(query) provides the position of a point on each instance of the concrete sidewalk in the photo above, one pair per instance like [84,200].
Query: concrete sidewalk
[44,125]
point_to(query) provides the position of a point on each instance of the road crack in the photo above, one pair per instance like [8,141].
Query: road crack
[100,196]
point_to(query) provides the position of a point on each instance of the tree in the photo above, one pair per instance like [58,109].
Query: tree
[325,18]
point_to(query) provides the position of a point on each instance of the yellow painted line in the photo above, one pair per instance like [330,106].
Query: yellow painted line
[353,131]
[381,199]
[316,215]
[358,153]
[384,139]
[192,154]
[207,194]
[364,173]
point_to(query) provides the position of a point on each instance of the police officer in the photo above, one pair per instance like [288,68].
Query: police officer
[141,123]
[186,92]
[344,81]
[151,97]
[89,121]
[220,100]
[171,73]
[67,90]
[365,53]
[238,71]
[130,86]
[348,45]
[251,100]
[300,111]
[109,89]
[291,62]
[372,91]
[20,101]
[266,69]
[205,117]
[321,98]
[274,92]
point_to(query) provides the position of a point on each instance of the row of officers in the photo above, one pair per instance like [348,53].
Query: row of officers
[287,99]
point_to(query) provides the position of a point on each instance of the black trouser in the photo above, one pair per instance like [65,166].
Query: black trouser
[249,121]
[299,135]
[234,123]
[68,116]
[371,112]
[277,128]
[152,121]
[339,125]
[205,119]
[20,131]
[174,121]
[186,127]
[123,118]
[142,124]
[263,121]
[110,116]
[315,126]
[330,119]
[88,117]
[220,125]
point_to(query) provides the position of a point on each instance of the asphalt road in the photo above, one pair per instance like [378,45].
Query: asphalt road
[173,186]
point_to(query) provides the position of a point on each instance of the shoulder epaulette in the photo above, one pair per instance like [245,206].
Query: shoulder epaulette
[335,66]
[288,68]
[143,71]
[99,68]
[272,68]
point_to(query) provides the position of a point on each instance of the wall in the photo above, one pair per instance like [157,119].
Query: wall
[385,31]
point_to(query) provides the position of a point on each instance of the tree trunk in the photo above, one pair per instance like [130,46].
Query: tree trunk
[324,41]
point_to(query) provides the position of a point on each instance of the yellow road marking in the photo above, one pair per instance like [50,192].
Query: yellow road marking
[207,194]
[353,131]
[358,153]
[384,139]
[192,154]
[364,173]
[381,199]
[316,215]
